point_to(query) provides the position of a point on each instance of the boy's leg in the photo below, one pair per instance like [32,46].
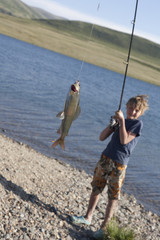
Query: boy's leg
[109,212]
[114,188]
[98,184]
[91,206]
[100,234]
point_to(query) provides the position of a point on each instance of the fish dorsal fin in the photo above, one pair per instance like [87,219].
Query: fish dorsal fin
[60,115]
[78,111]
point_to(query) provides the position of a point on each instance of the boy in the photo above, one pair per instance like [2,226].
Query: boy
[111,167]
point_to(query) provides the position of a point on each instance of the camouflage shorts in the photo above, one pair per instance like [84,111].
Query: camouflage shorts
[111,173]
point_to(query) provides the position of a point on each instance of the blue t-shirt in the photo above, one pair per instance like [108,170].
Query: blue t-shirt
[119,152]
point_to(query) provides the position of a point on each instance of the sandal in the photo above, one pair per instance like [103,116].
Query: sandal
[80,220]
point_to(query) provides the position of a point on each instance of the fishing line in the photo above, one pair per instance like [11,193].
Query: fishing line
[90,35]
[128,58]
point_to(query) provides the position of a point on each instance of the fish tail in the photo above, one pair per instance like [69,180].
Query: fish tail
[59,141]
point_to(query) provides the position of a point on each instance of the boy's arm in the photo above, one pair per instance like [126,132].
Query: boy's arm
[125,137]
[106,133]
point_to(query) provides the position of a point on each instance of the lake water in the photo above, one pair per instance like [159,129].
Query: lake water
[33,86]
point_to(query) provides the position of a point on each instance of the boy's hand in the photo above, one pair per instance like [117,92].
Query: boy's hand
[119,116]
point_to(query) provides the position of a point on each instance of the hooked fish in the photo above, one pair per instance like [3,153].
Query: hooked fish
[69,114]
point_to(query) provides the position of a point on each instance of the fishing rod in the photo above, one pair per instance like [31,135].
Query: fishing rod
[128,58]
[90,35]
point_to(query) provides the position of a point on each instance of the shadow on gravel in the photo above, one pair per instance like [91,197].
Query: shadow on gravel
[8,185]
[80,233]
[76,232]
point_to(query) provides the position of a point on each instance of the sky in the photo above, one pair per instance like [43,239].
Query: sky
[114,14]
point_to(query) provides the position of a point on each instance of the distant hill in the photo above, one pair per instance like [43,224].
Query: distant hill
[48,15]
[105,35]
[19,9]
[80,29]
[106,47]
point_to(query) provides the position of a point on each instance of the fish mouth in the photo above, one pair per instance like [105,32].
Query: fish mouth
[73,88]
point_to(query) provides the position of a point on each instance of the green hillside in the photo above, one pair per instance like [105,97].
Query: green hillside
[48,15]
[19,9]
[106,48]
[105,36]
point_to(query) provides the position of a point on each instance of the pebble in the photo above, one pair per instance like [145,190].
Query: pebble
[38,194]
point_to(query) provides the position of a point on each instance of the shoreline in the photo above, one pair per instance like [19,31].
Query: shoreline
[38,194]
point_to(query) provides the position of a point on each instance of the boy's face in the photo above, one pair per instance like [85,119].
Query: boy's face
[133,112]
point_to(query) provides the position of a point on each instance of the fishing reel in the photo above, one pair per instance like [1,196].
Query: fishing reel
[114,124]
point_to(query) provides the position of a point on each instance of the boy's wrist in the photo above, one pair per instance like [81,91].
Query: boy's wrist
[121,122]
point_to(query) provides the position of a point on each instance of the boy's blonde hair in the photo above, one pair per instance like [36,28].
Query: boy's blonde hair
[140,102]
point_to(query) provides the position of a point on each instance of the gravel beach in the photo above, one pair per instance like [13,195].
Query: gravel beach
[37,195]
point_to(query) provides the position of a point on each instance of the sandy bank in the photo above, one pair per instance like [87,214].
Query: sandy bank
[38,193]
